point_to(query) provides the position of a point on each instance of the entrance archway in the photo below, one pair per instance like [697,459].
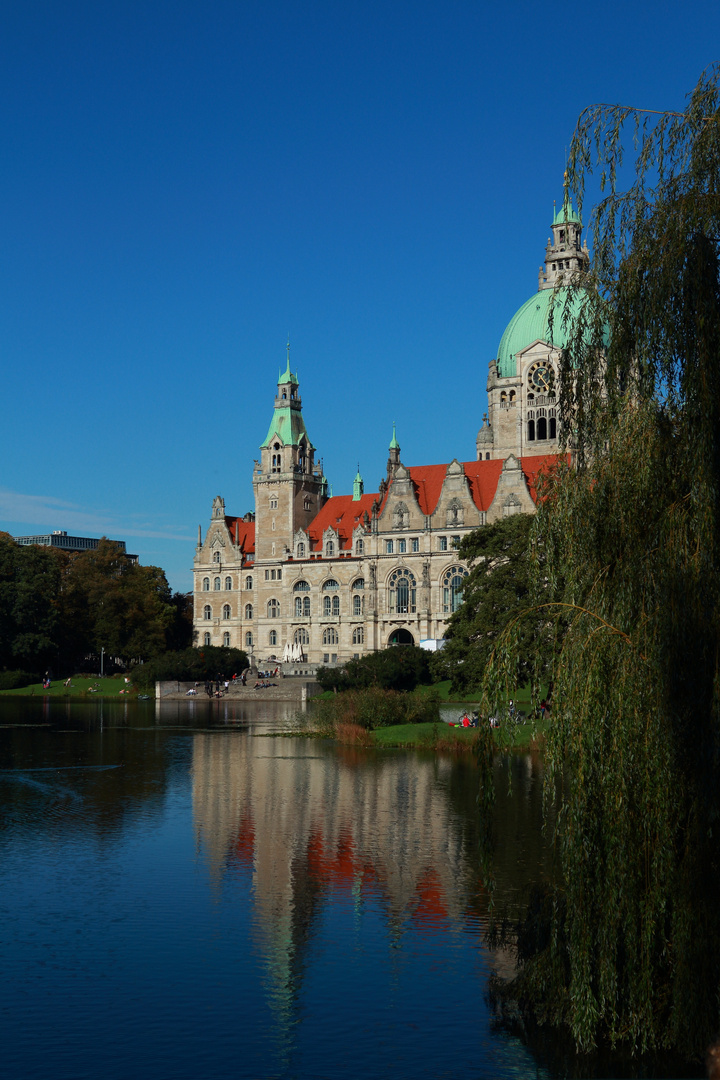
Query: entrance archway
[401,637]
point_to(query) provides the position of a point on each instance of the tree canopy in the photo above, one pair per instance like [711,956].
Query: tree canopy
[630,948]
[59,608]
[497,591]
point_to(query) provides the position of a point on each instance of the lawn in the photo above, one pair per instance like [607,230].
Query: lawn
[79,687]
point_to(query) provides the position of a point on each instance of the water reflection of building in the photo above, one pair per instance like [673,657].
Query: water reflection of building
[307,820]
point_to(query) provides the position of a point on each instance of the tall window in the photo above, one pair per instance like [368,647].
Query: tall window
[226,640]
[401,547]
[226,611]
[359,547]
[329,549]
[206,584]
[453,583]
[248,640]
[542,428]
[302,607]
[331,600]
[357,605]
[216,584]
[207,612]
[402,592]
[228,583]
[272,639]
[248,582]
[415,544]
[206,639]
[216,556]
[301,550]
[248,611]
[388,547]
[273,609]
[358,635]
[302,637]
[442,543]
[330,636]
[531,431]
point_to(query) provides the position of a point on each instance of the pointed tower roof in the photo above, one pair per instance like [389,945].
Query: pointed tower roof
[394,444]
[358,486]
[287,422]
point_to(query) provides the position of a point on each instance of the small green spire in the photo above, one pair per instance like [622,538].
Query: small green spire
[394,445]
[358,486]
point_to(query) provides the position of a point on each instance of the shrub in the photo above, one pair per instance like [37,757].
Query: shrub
[190,665]
[13,680]
[400,667]
[373,707]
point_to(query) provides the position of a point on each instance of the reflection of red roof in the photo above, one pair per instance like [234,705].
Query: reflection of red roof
[342,513]
[245,844]
[431,899]
[242,533]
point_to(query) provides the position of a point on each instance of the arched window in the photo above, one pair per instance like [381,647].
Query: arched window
[206,584]
[329,549]
[553,427]
[542,428]
[207,612]
[302,637]
[216,584]
[248,611]
[531,431]
[358,584]
[358,604]
[358,635]
[248,640]
[330,636]
[248,582]
[216,556]
[330,584]
[272,638]
[226,611]
[402,591]
[452,584]
[228,584]
[273,609]
[359,547]
[302,607]
[336,605]
[301,550]
[226,640]
[206,639]
[327,606]
[301,586]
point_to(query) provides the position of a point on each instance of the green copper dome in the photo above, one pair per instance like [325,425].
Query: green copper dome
[531,323]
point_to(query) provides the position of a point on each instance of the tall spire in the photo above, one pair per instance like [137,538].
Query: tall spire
[394,444]
[358,486]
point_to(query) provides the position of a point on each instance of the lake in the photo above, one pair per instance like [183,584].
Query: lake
[182,895]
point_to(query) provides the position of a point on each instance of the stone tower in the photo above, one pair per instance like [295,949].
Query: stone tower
[289,488]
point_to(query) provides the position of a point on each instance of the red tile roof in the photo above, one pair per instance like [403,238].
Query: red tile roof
[343,514]
[243,534]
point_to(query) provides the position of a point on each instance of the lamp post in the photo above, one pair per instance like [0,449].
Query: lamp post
[102,661]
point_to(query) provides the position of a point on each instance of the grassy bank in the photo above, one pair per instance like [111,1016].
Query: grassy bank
[82,687]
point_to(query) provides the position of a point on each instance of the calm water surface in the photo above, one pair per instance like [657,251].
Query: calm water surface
[182,896]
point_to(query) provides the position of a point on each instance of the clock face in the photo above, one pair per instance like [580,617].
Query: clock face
[541,376]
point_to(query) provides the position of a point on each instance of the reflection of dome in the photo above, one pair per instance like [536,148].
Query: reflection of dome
[531,323]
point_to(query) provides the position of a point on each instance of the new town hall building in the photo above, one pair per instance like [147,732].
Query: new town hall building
[344,575]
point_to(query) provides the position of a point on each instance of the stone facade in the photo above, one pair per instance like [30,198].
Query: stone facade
[349,574]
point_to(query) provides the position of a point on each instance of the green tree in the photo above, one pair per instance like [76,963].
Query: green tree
[400,667]
[498,591]
[627,946]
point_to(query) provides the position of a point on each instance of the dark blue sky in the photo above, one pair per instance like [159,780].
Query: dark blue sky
[186,183]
